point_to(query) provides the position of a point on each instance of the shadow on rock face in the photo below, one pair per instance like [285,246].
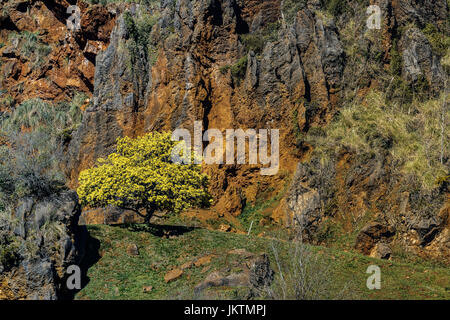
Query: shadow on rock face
[91,257]
[157,230]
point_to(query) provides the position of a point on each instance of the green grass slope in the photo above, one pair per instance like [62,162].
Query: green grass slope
[115,274]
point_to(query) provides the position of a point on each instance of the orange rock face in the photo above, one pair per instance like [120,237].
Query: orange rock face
[189,82]
[229,65]
[70,64]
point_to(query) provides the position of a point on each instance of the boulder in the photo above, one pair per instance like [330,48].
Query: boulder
[371,234]
[381,251]
[132,249]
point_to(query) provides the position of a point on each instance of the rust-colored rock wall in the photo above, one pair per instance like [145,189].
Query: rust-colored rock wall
[70,64]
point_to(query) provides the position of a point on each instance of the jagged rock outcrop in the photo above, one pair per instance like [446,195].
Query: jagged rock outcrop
[359,187]
[256,277]
[118,89]
[370,235]
[189,81]
[57,62]
[351,189]
[420,12]
[38,241]
[293,80]
[419,59]
[310,194]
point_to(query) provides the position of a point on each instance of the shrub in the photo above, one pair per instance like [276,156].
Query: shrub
[37,115]
[336,7]
[399,91]
[9,243]
[438,40]
[9,251]
[290,9]
[256,41]
[301,275]
[29,166]
[31,47]
[396,59]
[224,69]
[32,151]
[139,29]
[238,69]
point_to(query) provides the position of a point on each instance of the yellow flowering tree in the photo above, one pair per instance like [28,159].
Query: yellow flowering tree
[141,176]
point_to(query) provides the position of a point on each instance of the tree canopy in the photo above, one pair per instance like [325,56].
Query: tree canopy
[141,175]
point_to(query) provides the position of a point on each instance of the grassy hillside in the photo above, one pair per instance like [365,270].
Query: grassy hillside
[114,273]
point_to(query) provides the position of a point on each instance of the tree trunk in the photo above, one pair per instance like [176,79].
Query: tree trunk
[149,215]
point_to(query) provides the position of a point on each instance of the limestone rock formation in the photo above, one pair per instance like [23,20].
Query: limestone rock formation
[38,242]
[191,80]
[241,64]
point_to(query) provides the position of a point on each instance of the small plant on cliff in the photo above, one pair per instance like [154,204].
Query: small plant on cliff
[438,40]
[289,9]
[31,147]
[31,47]
[140,176]
[139,27]
[238,69]
[256,41]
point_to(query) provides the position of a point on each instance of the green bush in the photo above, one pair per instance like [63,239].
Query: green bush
[438,40]
[257,40]
[291,7]
[340,7]
[31,47]
[8,252]
[400,91]
[336,7]
[238,69]
[224,69]
[254,42]
[396,59]
[37,115]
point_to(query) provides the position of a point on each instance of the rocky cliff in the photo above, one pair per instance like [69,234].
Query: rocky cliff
[39,241]
[287,65]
